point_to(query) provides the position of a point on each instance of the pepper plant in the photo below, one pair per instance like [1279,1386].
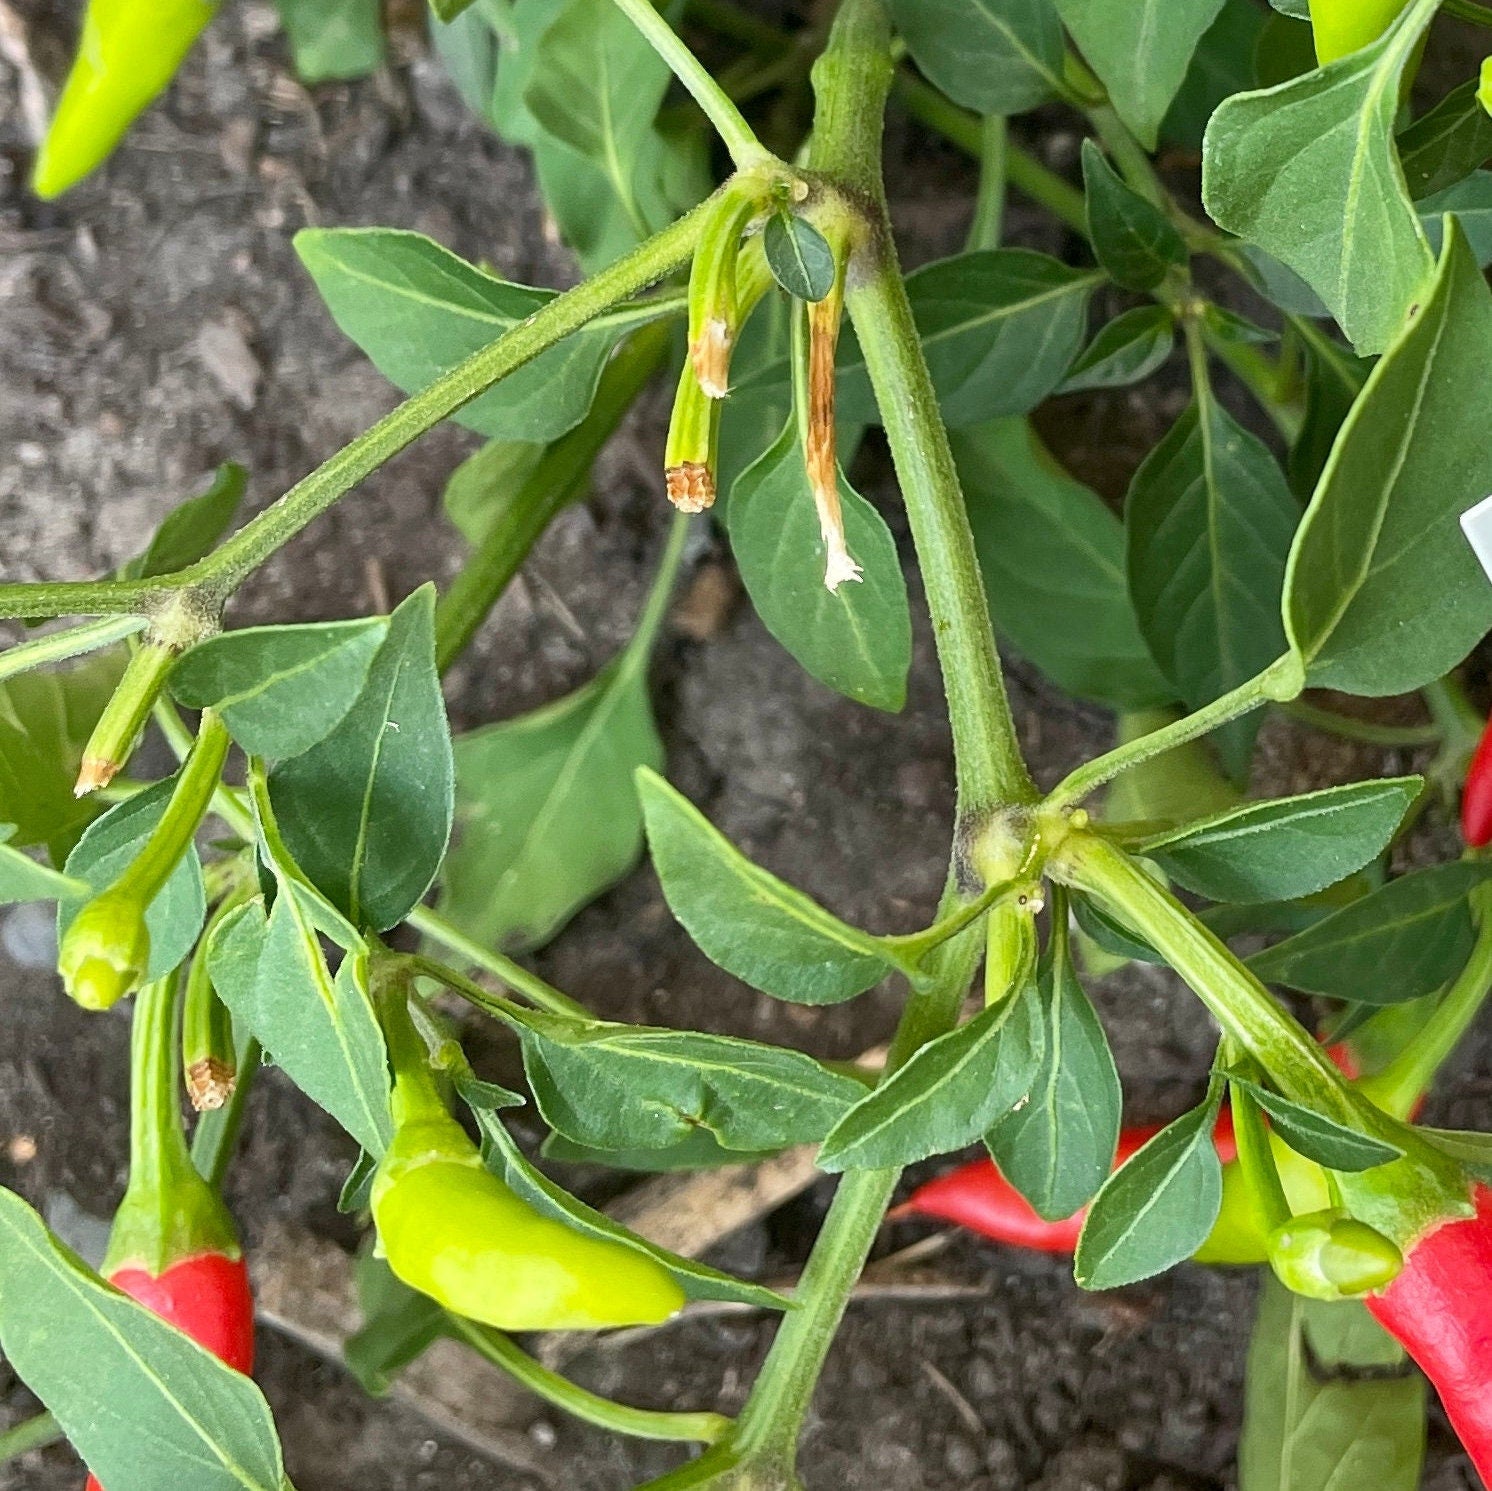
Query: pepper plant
[1348,216]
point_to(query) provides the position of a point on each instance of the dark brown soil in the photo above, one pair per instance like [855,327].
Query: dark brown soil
[157,323]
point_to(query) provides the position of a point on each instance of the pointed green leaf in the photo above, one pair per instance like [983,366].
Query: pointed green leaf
[697,1280]
[1383,593]
[110,846]
[1133,239]
[280,689]
[1287,848]
[193,527]
[1446,144]
[1317,1137]
[417,310]
[1331,1400]
[1128,350]
[547,815]
[339,39]
[1141,50]
[747,921]
[1052,556]
[25,879]
[1157,1208]
[631,1087]
[1394,944]
[1057,1148]
[992,56]
[799,256]
[366,812]
[480,492]
[1308,171]
[856,639]
[954,1089]
[143,1404]
[1209,521]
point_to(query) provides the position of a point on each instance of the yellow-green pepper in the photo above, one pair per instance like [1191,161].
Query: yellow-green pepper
[450,1229]
[1345,26]
[128,52]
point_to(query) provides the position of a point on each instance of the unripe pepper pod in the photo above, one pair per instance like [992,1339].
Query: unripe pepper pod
[458,1234]
[1440,1310]
[1329,1255]
[1345,26]
[105,951]
[1476,796]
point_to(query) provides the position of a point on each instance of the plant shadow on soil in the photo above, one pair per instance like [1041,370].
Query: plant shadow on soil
[157,323]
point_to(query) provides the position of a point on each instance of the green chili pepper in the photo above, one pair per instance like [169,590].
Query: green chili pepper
[455,1232]
[128,52]
[1345,26]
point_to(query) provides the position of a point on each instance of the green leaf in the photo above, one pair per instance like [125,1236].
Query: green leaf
[992,56]
[417,310]
[596,87]
[1127,350]
[25,879]
[1308,171]
[697,1280]
[1157,1208]
[399,1325]
[334,39]
[1334,379]
[1287,848]
[1471,202]
[750,923]
[699,1151]
[1052,556]
[1317,1137]
[799,256]
[366,812]
[142,1403]
[1135,242]
[193,527]
[446,11]
[547,815]
[632,1087]
[1383,594]
[481,489]
[1468,1148]
[1141,50]
[1222,65]
[954,1089]
[856,639]
[110,846]
[1331,1400]
[320,1030]
[1209,522]
[1058,1147]
[1000,328]
[1447,144]
[280,689]
[45,721]
[1397,943]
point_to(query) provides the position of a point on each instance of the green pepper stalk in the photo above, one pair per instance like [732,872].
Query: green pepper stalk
[209,1058]
[689,455]
[128,52]
[453,1231]
[119,727]
[714,305]
[106,949]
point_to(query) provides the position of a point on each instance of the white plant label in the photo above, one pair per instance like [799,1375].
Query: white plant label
[1476,524]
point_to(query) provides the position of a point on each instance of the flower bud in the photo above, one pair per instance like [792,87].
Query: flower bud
[105,951]
[1330,1255]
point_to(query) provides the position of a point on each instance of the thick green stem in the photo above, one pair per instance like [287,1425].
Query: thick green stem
[31,1434]
[745,149]
[58,646]
[555,482]
[1277,682]
[639,1423]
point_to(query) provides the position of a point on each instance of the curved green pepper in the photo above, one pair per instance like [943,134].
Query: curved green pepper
[128,52]
[455,1232]
[1346,26]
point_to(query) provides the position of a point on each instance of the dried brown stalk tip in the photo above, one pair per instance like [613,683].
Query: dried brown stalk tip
[710,355]
[94,774]
[210,1083]
[691,486]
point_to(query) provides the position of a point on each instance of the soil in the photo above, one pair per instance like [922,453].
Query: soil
[157,323]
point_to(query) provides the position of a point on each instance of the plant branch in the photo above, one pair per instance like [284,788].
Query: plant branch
[640,1423]
[58,646]
[730,124]
[539,994]
[30,1434]
[1277,683]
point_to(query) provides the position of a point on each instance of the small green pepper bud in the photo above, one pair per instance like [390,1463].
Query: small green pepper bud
[105,950]
[455,1232]
[1330,1255]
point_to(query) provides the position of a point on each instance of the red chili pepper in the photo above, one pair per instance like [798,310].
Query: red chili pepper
[1476,798]
[1440,1310]
[173,1246]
